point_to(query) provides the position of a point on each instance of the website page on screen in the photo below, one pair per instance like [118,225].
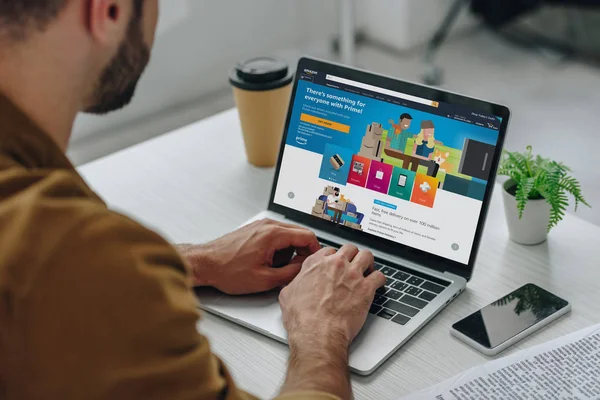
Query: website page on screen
[396,166]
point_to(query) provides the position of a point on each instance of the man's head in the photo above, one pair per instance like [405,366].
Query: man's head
[117,82]
[405,120]
[107,42]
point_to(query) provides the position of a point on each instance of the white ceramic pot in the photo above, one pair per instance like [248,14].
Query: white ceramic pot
[533,227]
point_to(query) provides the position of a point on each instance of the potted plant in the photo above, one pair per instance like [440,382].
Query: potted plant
[536,196]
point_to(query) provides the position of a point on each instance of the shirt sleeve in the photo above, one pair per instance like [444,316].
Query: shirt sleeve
[112,316]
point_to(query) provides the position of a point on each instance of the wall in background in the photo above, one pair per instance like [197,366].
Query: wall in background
[199,41]
[404,24]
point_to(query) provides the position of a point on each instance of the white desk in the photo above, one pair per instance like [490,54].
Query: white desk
[194,184]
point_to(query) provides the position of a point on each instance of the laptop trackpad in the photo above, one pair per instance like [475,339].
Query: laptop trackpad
[259,312]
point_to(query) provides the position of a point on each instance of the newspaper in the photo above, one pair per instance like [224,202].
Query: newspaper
[565,368]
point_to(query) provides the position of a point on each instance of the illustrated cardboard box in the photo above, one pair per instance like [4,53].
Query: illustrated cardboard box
[336,161]
[319,208]
[341,205]
[371,146]
[317,212]
[352,225]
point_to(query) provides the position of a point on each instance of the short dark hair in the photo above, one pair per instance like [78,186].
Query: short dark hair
[406,116]
[17,17]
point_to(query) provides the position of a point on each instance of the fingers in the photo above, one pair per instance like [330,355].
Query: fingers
[315,258]
[285,235]
[325,251]
[298,259]
[375,280]
[306,251]
[348,252]
[278,277]
[364,260]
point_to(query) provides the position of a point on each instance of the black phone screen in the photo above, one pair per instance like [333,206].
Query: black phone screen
[510,315]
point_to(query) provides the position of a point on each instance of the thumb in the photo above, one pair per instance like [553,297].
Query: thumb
[283,276]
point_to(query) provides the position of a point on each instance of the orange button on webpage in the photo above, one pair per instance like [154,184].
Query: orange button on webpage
[325,123]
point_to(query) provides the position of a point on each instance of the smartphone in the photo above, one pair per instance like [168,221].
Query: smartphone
[510,319]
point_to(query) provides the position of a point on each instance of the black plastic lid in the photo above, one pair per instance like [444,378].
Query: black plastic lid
[261,73]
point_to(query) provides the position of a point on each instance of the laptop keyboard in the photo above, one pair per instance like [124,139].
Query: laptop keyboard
[404,294]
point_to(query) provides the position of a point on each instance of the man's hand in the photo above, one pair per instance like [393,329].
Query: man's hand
[331,294]
[243,261]
[324,308]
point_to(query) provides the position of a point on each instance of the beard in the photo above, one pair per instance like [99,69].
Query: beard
[117,83]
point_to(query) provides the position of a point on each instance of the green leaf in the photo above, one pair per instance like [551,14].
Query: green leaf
[573,187]
[510,167]
[528,161]
[519,162]
[541,162]
[558,209]
[524,187]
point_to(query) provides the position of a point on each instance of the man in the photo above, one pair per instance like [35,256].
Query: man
[333,203]
[397,139]
[424,147]
[94,306]
[334,197]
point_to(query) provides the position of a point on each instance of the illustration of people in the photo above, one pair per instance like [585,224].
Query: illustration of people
[333,198]
[344,211]
[397,139]
[424,147]
[333,204]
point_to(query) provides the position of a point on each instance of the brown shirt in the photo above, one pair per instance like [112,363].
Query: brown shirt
[92,305]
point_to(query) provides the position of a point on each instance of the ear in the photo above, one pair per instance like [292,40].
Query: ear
[108,20]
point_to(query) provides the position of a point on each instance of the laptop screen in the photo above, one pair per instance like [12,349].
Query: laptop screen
[393,165]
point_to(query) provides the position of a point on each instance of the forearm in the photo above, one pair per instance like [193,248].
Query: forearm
[319,362]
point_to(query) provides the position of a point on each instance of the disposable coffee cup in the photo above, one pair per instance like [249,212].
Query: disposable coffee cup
[262,88]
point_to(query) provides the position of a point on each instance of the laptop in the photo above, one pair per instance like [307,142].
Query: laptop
[403,170]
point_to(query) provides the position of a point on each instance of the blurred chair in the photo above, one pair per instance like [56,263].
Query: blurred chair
[498,13]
